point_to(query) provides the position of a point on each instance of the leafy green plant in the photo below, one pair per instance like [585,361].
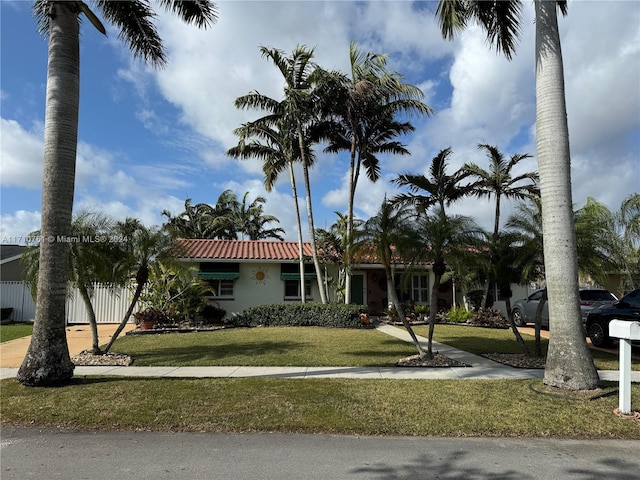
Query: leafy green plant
[177,292]
[458,315]
[301,314]
[421,309]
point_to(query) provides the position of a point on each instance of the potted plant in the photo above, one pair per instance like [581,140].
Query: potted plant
[147,319]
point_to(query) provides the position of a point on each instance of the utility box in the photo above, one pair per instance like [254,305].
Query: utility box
[626,330]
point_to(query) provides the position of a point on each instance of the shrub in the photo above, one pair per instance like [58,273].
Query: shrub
[301,314]
[421,309]
[212,314]
[490,318]
[458,315]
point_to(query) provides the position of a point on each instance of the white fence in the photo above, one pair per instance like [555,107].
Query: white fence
[109,304]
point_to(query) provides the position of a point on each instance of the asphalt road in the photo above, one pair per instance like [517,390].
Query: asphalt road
[49,454]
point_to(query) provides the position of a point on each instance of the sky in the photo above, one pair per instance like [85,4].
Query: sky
[150,139]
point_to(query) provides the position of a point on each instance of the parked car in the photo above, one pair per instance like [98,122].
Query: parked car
[627,308]
[524,310]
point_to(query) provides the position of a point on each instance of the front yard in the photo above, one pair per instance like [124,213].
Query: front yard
[522,408]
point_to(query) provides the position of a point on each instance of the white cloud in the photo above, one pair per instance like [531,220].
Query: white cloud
[15,226]
[22,152]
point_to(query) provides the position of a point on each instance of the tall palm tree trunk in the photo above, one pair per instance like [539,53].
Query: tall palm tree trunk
[569,363]
[312,230]
[350,207]
[294,192]
[47,361]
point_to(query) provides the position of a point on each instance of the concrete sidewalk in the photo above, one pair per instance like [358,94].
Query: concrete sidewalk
[79,338]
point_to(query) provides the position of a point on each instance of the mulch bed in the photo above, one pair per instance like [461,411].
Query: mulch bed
[516,360]
[438,360]
[109,359]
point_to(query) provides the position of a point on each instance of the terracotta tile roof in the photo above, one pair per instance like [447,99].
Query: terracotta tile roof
[206,249]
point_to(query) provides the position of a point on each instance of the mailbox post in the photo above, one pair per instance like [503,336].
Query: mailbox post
[625,331]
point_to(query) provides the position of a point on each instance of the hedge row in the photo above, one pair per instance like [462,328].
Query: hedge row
[301,315]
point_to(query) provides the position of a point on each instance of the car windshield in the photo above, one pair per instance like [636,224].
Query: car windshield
[597,296]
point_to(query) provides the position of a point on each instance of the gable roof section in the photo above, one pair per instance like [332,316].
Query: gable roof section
[9,253]
[208,249]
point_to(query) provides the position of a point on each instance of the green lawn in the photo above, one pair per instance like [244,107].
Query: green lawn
[505,408]
[315,346]
[281,346]
[11,331]
[509,408]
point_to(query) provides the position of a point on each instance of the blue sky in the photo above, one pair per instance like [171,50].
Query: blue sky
[149,139]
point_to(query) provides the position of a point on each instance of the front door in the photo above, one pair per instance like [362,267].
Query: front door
[357,289]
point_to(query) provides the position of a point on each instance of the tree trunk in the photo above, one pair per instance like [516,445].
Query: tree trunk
[538,323]
[47,360]
[433,311]
[569,362]
[86,298]
[514,328]
[391,291]
[294,191]
[316,263]
[350,207]
[127,316]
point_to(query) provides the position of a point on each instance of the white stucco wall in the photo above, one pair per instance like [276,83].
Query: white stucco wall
[252,289]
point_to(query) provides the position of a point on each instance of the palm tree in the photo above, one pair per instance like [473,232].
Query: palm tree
[299,108]
[363,110]
[569,363]
[47,361]
[252,220]
[284,133]
[436,233]
[439,236]
[525,226]
[142,248]
[435,189]
[334,249]
[91,260]
[272,141]
[499,183]
[195,222]
[389,234]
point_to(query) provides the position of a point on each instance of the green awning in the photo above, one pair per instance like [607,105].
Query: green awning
[219,275]
[296,276]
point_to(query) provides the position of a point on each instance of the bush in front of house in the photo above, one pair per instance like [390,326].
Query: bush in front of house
[301,315]
[489,318]
[459,315]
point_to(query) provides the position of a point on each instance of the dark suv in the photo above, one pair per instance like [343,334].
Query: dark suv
[627,308]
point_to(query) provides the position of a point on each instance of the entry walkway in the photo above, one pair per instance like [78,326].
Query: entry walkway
[481,368]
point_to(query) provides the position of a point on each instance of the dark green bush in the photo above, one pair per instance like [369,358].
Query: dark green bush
[301,315]
[489,318]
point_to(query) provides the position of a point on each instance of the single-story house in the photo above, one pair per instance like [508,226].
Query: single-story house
[10,268]
[246,273]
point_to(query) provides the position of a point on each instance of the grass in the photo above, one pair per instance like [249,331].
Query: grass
[315,346]
[505,408]
[281,346]
[11,331]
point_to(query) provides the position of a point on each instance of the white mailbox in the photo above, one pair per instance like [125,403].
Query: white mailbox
[626,330]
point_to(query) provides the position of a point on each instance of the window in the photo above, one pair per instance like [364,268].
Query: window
[420,288]
[290,275]
[223,288]
[292,289]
